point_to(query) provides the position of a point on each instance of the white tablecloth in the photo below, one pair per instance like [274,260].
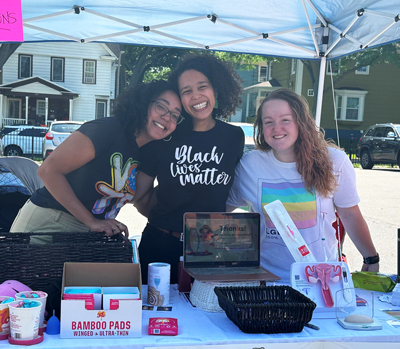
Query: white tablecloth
[198,328]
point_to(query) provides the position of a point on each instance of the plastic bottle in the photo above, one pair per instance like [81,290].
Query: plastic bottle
[184,279]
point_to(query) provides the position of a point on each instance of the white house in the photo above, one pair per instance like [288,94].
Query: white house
[48,81]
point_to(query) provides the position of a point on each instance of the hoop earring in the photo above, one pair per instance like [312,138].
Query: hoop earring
[167,140]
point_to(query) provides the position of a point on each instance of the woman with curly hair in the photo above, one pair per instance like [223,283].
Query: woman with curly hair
[293,163]
[195,168]
[91,175]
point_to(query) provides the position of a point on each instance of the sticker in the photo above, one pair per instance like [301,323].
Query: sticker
[164,308]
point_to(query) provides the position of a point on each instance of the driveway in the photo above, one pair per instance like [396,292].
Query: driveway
[379,191]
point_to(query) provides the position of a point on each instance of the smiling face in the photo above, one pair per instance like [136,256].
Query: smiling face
[280,129]
[159,127]
[197,96]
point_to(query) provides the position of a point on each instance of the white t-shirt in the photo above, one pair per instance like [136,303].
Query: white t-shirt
[260,179]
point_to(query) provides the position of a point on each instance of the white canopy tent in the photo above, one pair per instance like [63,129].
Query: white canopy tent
[302,29]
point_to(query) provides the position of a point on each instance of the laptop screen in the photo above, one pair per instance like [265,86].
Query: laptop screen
[221,239]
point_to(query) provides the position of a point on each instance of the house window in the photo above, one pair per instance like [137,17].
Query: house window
[363,70]
[89,72]
[310,92]
[40,107]
[57,69]
[262,73]
[14,108]
[294,66]
[333,66]
[101,108]
[350,104]
[24,66]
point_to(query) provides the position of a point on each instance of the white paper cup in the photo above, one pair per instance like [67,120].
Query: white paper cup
[4,317]
[158,282]
[24,322]
[42,299]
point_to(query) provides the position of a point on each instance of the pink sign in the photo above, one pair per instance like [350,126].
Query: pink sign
[11,21]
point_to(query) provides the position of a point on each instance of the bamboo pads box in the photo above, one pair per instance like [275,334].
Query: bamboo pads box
[125,321]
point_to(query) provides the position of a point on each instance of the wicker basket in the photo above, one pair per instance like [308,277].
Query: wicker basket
[270,309]
[38,265]
[202,294]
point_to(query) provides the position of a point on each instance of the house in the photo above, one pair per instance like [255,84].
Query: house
[48,81]
[362,98]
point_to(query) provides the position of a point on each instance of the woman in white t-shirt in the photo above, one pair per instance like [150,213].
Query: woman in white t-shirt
[293,163]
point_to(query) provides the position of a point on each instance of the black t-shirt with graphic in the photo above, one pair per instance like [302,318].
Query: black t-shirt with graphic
[107,182]
[194,172]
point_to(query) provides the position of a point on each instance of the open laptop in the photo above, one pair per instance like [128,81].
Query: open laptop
[222,246]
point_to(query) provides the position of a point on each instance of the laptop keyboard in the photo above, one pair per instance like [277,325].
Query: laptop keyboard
[227,271]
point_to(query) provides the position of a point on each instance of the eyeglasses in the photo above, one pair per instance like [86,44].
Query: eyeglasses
[162,110]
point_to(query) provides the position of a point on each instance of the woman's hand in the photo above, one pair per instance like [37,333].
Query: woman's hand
[370,267]
[110,226]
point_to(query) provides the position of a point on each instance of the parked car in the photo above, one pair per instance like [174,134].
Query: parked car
[248,133]
[58,132]
[22,139]
[379,144]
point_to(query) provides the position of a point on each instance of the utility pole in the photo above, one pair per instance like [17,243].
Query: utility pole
[119,71]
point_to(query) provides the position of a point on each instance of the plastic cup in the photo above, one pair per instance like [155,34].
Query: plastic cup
[4,317]
[37,296]
[158,283]
[24,319]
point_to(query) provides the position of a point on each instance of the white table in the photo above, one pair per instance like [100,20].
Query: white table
[214,330]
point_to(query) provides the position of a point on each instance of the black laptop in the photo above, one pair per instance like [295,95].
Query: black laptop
[222,247]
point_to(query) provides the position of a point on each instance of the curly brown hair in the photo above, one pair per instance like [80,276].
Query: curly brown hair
[131,106]
[223,78]
[311,147]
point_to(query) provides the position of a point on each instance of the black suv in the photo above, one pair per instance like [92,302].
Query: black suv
[380,144]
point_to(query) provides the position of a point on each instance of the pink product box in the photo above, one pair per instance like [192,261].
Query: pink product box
[112,295]
[164,326]
[94,291]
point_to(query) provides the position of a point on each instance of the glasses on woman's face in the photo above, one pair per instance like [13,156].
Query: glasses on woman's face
[162,110]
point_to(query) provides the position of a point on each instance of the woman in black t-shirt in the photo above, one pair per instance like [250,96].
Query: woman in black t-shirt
[92,174]
[195,169]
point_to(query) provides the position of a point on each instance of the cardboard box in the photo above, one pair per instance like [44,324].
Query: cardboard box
[124,322]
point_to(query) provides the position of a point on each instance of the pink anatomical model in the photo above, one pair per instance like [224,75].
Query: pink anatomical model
[322,272]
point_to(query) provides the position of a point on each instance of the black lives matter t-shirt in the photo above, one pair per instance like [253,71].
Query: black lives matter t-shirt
[194,172]
[107,182]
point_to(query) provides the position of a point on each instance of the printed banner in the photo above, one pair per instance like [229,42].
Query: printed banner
[11,21]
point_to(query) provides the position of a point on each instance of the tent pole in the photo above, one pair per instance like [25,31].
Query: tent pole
[320,91]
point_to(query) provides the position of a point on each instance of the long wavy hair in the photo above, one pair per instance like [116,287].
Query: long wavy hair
[223,78]
[311,148]
[131,106]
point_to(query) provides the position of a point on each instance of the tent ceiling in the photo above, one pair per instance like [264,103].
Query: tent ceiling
[286,28]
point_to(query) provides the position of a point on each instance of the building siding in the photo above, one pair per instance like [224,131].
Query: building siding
[74,54]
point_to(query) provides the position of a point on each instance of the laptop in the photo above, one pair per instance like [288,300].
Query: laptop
[223,247]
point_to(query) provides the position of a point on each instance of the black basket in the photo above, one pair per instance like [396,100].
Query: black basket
[266,309]
[40,266]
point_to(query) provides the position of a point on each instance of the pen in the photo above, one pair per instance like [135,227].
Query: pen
[312,326]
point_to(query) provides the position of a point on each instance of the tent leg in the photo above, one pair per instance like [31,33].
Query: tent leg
[320,91]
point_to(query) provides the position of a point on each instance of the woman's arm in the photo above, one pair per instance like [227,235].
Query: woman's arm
[145,195]
[358,231]
[73,153]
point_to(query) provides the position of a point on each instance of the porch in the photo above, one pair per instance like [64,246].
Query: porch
[34,101]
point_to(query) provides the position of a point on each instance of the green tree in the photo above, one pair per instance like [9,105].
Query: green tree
[144,63]
[349,64]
